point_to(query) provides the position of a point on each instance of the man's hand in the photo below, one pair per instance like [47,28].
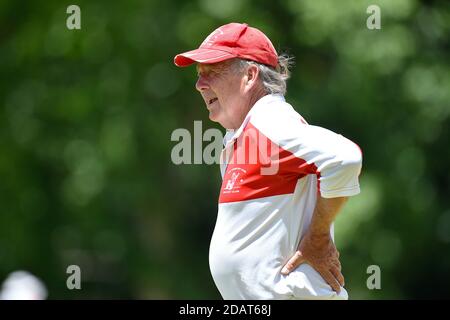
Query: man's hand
[317,248]
[320,253]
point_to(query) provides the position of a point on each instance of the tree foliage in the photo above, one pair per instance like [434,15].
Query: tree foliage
[86,118]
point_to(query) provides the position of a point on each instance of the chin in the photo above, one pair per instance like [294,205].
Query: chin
[213,116]
[217,119]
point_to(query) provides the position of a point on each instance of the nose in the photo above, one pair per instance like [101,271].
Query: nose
[202,83]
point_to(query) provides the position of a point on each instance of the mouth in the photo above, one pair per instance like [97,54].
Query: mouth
[211,101]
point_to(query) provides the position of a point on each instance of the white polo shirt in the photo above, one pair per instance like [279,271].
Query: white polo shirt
[273,167]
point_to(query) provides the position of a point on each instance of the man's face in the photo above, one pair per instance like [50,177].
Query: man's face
[223,92]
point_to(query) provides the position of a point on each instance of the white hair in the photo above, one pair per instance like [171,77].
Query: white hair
[273,79]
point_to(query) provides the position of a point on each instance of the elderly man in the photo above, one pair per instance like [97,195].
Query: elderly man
[273,237]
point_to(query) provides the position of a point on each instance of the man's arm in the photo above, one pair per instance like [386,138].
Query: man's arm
[317,248]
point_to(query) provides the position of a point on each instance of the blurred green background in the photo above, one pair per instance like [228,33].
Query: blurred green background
[86,117]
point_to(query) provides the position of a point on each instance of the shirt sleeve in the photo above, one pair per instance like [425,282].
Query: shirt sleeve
[306,149]
[309,149]
[337,160]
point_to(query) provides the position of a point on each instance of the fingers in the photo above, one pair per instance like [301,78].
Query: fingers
[338,275]
[336,270]
[331,280]
[296,260]
[336,264]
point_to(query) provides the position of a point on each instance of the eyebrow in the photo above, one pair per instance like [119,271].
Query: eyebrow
[210,67]
[204,68]
[197,67]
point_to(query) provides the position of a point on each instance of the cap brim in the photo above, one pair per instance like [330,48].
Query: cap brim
[202,56]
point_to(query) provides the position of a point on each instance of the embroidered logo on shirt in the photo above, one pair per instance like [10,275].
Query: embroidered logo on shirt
[230,185]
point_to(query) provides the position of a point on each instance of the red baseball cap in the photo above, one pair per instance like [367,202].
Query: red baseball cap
[233,40]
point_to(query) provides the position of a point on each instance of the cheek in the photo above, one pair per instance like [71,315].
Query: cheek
[236,86]
[227,91]
[233,92]
[231,89]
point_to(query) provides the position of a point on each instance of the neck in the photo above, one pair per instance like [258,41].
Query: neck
[254,97]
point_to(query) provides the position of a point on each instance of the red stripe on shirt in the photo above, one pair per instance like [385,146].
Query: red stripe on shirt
[253,151]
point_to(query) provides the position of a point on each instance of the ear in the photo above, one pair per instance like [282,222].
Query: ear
[251,77]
